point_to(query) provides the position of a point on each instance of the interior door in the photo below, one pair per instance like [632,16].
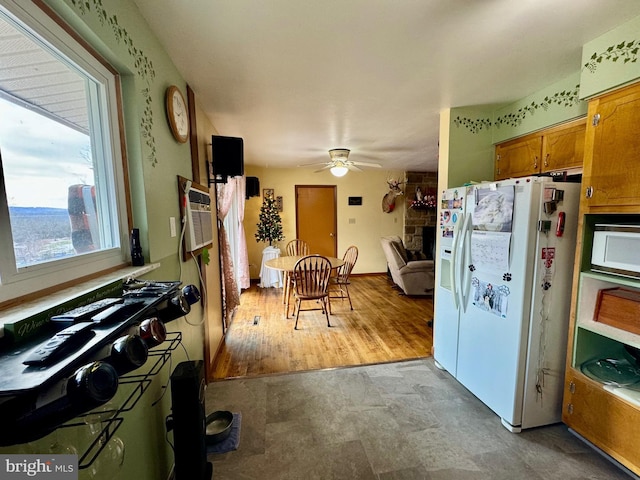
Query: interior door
[316,218]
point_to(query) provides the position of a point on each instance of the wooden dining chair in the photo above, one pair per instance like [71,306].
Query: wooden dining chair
[339,285]
[311,276]
[295,248]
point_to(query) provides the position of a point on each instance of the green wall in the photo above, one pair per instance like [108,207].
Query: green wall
[611,60]
[470,134]
[557,103]
[116,29]
[466,147]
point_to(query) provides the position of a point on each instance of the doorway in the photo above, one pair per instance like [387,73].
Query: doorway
[316,218]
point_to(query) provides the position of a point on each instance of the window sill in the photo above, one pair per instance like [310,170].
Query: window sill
[33,307]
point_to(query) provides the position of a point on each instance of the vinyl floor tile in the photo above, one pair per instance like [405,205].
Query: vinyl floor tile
[395,421]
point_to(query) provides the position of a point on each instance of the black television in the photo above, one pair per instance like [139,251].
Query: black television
[227,157]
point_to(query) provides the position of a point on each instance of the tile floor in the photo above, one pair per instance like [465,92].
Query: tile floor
[397,421]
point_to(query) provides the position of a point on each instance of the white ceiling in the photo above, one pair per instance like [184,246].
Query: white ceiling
[295,78]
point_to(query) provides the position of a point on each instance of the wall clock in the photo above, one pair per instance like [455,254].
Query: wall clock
[177,114]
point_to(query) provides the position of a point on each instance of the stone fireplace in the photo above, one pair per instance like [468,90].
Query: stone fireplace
[417,215]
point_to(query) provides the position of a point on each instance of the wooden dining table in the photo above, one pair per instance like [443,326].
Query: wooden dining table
[286,264]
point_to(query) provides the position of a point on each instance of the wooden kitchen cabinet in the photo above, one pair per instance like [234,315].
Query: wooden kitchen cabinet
[607,417]
[563,146]
[603,419]
[603,413]
[554,149]
[519,157]
[612,150]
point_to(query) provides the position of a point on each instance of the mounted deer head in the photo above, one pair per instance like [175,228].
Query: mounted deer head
[389,200]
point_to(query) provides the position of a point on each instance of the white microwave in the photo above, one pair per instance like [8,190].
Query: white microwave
[616,249]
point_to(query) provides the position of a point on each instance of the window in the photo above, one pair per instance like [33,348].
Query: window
[62,201]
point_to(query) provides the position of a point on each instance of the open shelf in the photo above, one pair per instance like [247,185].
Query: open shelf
[590,284]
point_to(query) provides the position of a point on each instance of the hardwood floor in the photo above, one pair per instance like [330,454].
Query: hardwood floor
[384,326]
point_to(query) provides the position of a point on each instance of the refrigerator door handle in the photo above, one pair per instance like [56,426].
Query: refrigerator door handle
[465,281]
[452,263]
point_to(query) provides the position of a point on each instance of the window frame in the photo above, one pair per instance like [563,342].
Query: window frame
[30,281]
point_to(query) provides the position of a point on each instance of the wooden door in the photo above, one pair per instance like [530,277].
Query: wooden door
[612,149]
[563,146]
[519,157]
[316,218]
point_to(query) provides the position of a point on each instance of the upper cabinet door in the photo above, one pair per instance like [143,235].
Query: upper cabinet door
[519,157]
[612,151]
[563,146]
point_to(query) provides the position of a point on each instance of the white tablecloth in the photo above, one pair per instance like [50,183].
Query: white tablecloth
[268,276]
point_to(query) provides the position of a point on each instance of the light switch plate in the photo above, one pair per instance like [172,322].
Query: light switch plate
[172,226]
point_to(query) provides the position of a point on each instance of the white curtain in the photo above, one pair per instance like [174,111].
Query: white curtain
[243,277]
[233,224]
[232,241]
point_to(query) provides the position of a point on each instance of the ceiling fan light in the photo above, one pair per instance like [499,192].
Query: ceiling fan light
[339,171]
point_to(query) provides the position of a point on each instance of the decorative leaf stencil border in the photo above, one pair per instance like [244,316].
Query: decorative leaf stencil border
[627,51]
[474,126]
[144,66]
[565,98]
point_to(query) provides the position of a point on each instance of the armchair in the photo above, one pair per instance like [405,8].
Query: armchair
[414,277]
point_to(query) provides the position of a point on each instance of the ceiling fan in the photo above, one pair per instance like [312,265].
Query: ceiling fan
[340,164]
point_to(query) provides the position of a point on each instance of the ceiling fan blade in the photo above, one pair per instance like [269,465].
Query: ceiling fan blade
[323,168]
[353,167]
[368,164]
[314,164]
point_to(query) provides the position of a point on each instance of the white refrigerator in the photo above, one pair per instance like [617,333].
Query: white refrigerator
[503,291]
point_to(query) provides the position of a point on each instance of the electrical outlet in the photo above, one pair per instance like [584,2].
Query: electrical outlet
[172,226]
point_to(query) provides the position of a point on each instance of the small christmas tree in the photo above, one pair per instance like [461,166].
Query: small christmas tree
[270,224]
